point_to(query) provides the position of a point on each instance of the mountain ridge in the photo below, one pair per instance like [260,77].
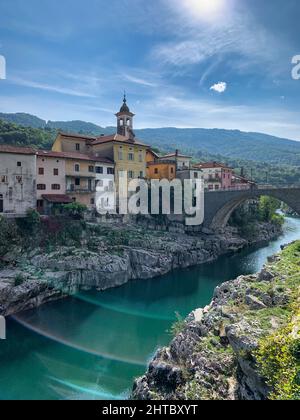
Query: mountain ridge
[233,144]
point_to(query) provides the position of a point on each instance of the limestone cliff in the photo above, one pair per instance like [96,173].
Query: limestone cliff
[106,258]
[244,346]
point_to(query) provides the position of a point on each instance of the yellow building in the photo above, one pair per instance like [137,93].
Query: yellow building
[127,152]
[90,159]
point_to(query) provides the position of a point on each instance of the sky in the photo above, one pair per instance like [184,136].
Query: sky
[183,63]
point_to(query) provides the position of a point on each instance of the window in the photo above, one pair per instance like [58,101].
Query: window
[172,170]
[41,171]
[92,201]
[156,171]
[141,157]
[120,155]
[41,187]
[40,204]
[130,156]
[10,194]
[19,164]
[110,171]
[19,179]
[130,174]
[77,167]
[78,147]
[55,187]
[99,170]
[91,168]
[77,182]
[99,183]
[196,175]
[141,174]
[3,179]
[55,172]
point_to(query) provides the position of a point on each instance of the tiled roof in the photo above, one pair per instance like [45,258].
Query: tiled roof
[77,136]
[18,150]
[59,199]
[74,156]
[117,138]
[176,155]
[209,165]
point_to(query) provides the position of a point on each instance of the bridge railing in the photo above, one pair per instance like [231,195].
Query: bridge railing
[277,186]
[256,187]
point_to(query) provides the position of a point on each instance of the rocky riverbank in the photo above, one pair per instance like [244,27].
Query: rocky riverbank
[109,257]
[243,346]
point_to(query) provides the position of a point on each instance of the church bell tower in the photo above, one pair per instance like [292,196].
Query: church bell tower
[125,121]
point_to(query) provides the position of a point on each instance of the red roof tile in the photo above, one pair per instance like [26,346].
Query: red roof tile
[77,136]
[74,156]
[117,138]
[17,150]
[208,165]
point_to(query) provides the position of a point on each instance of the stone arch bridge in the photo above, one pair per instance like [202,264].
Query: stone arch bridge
[219,205]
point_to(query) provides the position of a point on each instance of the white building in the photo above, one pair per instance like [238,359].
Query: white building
[182,161]
[17,180]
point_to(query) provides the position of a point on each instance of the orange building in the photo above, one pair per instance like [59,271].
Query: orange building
[161,169]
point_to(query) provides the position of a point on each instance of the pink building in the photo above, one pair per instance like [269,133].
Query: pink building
[50,178]
[216,175]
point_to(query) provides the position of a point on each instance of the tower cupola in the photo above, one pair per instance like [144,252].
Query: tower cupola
[125,121]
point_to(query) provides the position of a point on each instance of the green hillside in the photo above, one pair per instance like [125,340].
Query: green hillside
[276,170]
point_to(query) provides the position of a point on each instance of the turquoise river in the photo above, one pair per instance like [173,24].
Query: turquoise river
[92,346]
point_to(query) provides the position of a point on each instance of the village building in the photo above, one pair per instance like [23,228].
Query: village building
[17,180]
[216,175]
[122,148]
[161,169]
[182,161]
[192,173]
[50,180]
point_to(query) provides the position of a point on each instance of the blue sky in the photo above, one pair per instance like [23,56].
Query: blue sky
[183,63]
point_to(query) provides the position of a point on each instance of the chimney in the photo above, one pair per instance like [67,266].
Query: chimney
[177,152]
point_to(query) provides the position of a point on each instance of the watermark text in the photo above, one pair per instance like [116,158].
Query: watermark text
[2,67]
[296,68]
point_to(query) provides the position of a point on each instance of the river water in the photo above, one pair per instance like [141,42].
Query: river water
[92,346]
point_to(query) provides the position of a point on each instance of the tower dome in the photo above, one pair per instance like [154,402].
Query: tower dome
[124,107]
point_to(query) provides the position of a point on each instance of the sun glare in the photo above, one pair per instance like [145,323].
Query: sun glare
[205,9]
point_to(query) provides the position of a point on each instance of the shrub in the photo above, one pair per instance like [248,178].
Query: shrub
[9,236]
[30,224]
[74,210]
[19,279]
[278,359]
[178,326]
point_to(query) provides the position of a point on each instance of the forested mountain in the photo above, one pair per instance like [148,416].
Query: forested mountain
[265,158]
[228,143]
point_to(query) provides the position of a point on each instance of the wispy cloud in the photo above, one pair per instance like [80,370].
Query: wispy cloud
[238,35]
[50,88]
[139,81]
[219,87]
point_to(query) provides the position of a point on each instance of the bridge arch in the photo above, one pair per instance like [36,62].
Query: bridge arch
[219,206]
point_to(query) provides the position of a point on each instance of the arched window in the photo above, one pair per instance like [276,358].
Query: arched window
[77,167]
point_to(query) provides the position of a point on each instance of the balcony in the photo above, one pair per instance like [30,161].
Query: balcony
[79,190]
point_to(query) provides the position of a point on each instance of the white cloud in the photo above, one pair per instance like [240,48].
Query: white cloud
[219,87]
[139,81]
[50,88]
